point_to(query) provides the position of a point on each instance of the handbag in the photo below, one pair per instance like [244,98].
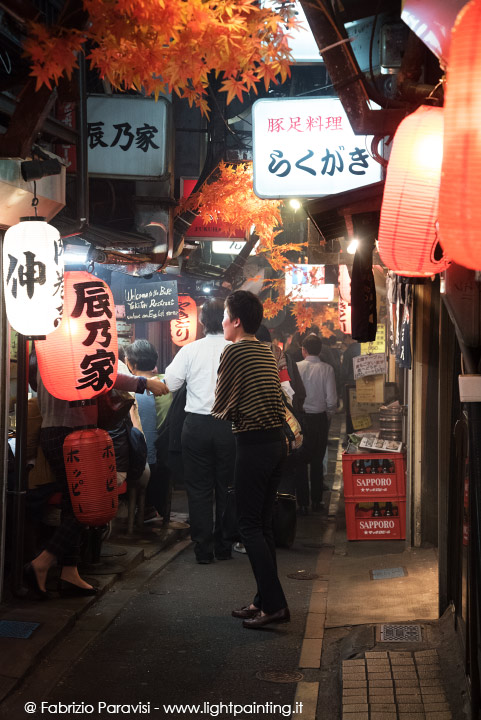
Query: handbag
[229,524]
[292,428]
[113,407]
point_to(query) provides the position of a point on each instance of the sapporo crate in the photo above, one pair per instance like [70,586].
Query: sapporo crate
[373,485]
[360,525]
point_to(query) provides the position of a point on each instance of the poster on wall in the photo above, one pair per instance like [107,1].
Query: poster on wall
[152,301]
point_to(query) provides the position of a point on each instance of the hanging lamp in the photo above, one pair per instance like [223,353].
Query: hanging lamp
[33,267]
[183,329]
[408,240]
[459,196]
[79,360]
[89,458]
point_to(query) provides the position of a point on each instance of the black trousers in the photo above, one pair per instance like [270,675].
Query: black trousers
[66,541]
[208,452]
[314,449]
[259,459]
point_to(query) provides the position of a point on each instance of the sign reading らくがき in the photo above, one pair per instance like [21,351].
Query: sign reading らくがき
[305,147]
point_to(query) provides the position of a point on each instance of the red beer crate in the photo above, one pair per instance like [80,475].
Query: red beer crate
[386,482]
[361,525]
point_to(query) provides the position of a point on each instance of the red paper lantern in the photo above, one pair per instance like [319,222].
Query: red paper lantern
[79,359]
[408,240]
[184,328]
[91,475]
[459,197]
[345,316]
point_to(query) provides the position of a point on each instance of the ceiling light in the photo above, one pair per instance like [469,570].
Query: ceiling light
[352,247]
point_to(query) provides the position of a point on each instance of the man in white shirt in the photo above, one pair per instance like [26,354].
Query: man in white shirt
[320,404]
[208,446]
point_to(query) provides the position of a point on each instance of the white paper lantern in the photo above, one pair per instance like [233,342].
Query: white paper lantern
[33,267]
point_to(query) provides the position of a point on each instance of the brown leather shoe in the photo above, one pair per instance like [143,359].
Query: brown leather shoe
[245,612]
[259,621]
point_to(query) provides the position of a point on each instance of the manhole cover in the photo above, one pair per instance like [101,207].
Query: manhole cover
[275,676]
[400,633]
[302,575]
[388,573]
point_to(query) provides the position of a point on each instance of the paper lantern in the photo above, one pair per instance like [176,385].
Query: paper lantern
[184,328]
[344,283]
[345,316]
[91,475]
[459,196]
[33,276]
[408,240]
[79,360]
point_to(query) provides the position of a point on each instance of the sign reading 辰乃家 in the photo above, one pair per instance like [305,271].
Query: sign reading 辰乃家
[369,365]
[152,301]
[305,147]
[126,136]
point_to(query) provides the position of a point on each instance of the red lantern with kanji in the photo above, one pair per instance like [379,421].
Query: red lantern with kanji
[91,475]
[79,359]
[408,238]
[459,197]
[184,328]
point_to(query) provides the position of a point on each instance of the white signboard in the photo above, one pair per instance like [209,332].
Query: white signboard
[369,365]
[126,136]
[305,147]
[306,282]
[230,247]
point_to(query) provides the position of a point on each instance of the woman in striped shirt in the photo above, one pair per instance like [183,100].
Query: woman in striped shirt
[248,393]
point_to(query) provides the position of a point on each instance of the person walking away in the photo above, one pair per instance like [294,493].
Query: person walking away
[248,393]
[208,447]
[320,404]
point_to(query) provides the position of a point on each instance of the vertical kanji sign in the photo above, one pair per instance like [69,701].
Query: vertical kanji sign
[79,360]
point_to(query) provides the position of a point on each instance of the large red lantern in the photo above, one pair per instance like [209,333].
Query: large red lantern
[91,475]
[184,328]
[79,359]
[459,197]
[408,239]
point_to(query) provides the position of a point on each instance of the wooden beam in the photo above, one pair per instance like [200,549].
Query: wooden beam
[27,120]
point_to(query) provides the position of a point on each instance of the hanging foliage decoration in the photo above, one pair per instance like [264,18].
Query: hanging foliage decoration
[161,46]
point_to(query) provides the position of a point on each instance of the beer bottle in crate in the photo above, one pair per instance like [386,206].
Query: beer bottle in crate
[376,511]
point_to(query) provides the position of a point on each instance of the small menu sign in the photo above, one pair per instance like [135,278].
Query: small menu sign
[152,301]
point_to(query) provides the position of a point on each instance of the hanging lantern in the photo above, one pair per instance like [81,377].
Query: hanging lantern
[345,316]
[184,328]
[33,276]
[408,240]
[344,280]
[79,360]
[459,199]
[91,475]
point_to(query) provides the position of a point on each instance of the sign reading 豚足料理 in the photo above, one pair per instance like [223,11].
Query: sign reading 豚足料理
[369,365]
[305,147]
[152,301]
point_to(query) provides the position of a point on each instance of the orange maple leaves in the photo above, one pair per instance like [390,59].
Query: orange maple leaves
[171,45]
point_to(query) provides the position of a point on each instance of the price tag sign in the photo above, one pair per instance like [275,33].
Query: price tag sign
[378,345]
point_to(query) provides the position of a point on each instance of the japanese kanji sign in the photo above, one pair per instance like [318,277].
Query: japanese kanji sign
[152,301]
[369,365]
[79,360]
[305,147]
[126,136]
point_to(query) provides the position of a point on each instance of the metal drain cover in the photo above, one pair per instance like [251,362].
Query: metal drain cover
[275,676]
[400,633]
[388,573]
[303,575]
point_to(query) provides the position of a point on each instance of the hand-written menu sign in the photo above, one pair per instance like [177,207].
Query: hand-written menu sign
[152,301]
[369,365]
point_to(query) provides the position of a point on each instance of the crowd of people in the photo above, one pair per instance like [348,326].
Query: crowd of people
[220,406]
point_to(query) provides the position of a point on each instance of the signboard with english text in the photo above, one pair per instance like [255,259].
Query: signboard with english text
[305,147]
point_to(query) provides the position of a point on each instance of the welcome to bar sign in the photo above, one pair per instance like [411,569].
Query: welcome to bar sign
[305,147]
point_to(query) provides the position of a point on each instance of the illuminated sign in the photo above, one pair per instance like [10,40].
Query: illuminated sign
[305,147]
[306,282]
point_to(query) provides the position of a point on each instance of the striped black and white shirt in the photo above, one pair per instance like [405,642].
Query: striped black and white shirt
[248,390]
